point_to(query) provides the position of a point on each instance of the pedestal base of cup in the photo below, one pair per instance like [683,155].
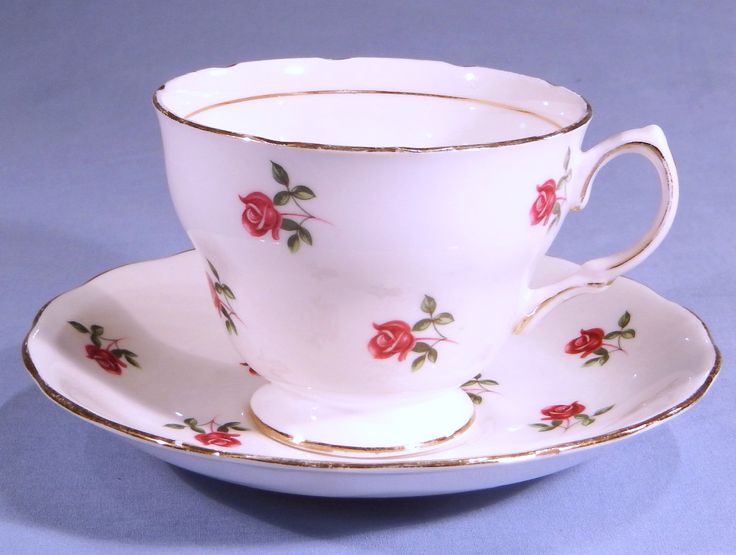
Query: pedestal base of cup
[360,429]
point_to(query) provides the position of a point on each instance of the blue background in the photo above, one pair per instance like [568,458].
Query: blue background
[83,189]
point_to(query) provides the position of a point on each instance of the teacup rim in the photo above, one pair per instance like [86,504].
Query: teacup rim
[581,121]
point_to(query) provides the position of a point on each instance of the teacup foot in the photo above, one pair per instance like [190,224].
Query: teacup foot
[371,430]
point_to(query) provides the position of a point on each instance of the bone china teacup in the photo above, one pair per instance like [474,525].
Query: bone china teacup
[368,229]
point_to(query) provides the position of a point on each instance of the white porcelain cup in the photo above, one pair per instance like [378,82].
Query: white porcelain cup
[368,228]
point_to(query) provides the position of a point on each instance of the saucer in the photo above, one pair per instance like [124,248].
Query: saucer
[139,351]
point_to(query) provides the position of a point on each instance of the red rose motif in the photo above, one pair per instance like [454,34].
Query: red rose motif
[215,297]
[107,361]
[393,338]
[562,412]
[260,216]
[586,343]
[220,439]
[545,203]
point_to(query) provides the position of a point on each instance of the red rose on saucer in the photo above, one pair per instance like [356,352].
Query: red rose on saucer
[220,439]
[393,338]
[107,361]
[260,216]
[562,412]
[587,342]
[545,203]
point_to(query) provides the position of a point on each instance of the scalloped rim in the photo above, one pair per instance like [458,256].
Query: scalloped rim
[160,441]
[585,118]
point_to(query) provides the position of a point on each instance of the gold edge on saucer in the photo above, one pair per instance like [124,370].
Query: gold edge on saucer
[86,414]
[329,448]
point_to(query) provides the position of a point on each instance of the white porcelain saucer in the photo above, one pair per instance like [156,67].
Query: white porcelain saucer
[145,357]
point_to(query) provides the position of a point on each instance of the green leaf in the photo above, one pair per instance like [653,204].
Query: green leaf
[96,340]
[304,235]
[628,334]
[230,327]
[422,324]
[566,164]
[288,224]
[470,382]
[561,182]
[302,192]
[117,352]
[542,427]
[603,360]
[293,242]
[79,327]
[444,318]
[97,330]
[421,347]
[591,362]
[279,174]
[418,362]
[603,410]
[218,288]
[192,423]
[132,361]
[556,210]
[228,292]
[612,335]
[429,305]
[477,399]
[601,352]
[432,355]
[224,312]
[175,426]
[624,320]
[581,416]
[213,270]
[488,382]
[477,376]
[226,426]
[237,426]
[555,423]
[281,198]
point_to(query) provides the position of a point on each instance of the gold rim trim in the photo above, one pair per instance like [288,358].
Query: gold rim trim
[485,102]
[585,118]
[320,447]
[557,449]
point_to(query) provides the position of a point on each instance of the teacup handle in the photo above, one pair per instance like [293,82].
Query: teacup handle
[599,273]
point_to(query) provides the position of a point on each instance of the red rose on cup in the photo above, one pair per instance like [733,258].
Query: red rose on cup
[586,343]
[545,203]
[220,439]
[260,216]
[107,361]
[393,338]
[562,412]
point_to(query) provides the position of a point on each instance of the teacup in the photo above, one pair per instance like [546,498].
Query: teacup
[369,228]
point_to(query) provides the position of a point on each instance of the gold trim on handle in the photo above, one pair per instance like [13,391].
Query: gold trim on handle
[519,327]
[168,443]
[521,324]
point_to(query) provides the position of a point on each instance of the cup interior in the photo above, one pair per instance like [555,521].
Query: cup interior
[371,103]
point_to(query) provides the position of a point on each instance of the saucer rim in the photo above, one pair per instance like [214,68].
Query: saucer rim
[557,449]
